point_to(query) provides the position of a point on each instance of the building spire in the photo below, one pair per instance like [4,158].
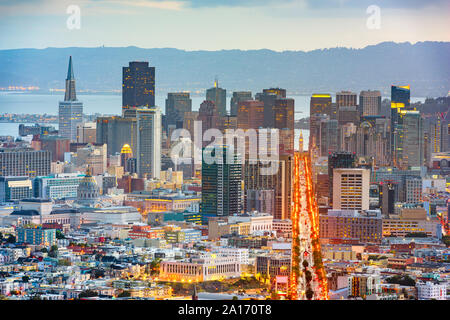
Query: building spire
[70,84]
[70,75]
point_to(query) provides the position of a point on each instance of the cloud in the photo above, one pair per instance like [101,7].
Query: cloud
[405,4]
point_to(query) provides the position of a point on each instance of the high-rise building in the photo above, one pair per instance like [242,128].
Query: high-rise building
[351,189]
[138,87]
[346,99]
[177,104]
[268,97]
[320,104]
[373,139]
[209,116]
[25,162]
[237,97]
[221,183]
[319,107]
[115,132]
[412,144]
[57,145]
[339,160]
[370,103]
[250,114]
[413,190]
[149,142]
[328,136]
[400,102]
[219,97]
[280,182]
[283,112]
[86,132]
[70,113]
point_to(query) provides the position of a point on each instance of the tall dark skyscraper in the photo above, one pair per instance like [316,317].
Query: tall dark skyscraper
[238,96]
[283,112]
[221,183]
[219,97]
[70,111]
[268,96]
[320,104]
[138,86]
[400,102]
[177,104]
[209,116]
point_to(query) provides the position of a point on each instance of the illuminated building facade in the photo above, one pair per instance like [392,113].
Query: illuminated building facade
[138,86]
[238,96]
[351,189]
[219,97]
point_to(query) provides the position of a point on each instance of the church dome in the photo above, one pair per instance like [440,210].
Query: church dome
[88,188]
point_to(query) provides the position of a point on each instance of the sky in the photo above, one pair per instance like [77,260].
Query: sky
[215,25]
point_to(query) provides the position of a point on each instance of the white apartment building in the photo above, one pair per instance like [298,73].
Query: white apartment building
[430,290]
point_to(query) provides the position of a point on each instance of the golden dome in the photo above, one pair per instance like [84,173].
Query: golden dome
[126,149]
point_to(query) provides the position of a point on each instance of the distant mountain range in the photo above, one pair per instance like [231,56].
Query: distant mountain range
[424,65]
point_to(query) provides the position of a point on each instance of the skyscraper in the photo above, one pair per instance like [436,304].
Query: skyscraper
[280,182]
[412,142]
[283,112]
[219,97]
[268,96]
[370,103]
[149,142]
[209,116]
[138,87]
[346,99]
[250,114]
[221,183]
[177,104]
[70,111]
[351,189]
[339,160]
[320,105]
[238,96]
[400,102]
[115,132]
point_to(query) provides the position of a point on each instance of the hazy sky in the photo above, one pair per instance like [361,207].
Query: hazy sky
[227,24]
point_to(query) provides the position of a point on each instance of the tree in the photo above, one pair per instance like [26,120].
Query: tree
[53,251]
[446,240]
[154,266]
[124,294]
[59,234]
[64,262]
[402,280]
[87,293]
[11,239]
[235,298]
